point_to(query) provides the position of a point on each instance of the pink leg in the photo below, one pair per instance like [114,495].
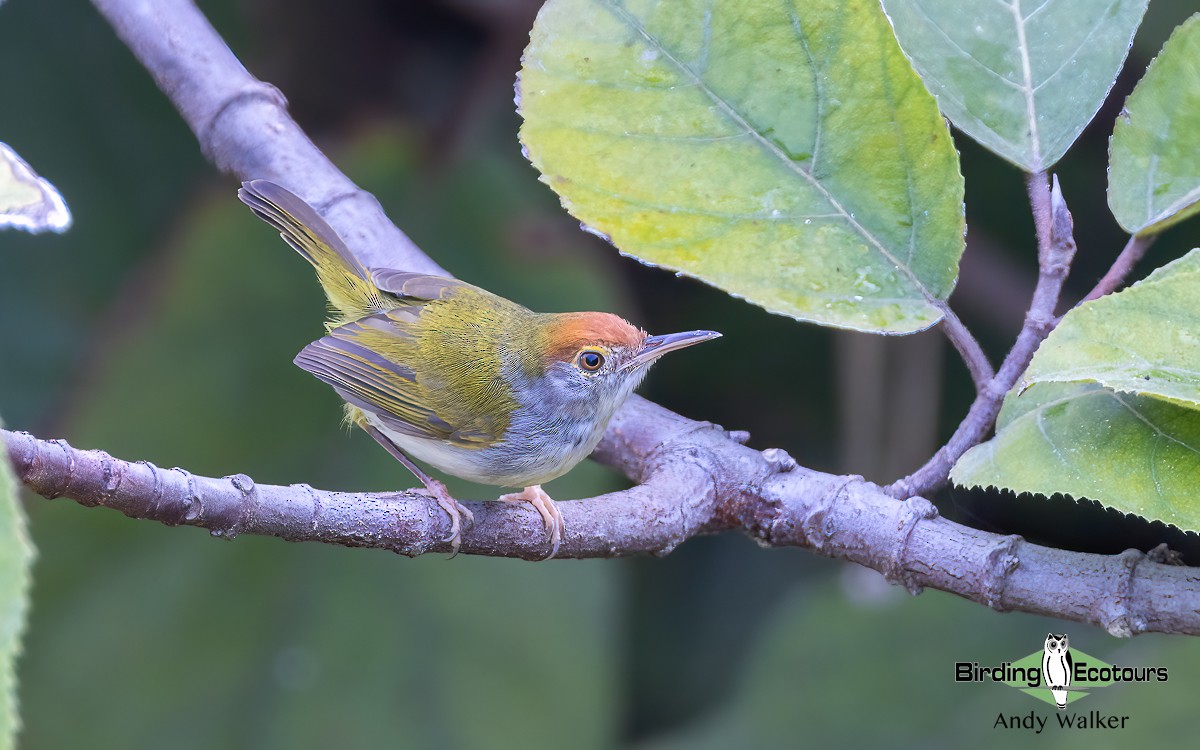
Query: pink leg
[542,503]
[433,488]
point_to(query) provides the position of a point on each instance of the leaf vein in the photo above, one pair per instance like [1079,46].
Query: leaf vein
[942,32]
[771,148]
[1030,107]
[817,81]
[1074,55]
[1146,420]
[693,211]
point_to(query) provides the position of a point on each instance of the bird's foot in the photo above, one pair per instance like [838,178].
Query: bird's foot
[456,510]
[543,504]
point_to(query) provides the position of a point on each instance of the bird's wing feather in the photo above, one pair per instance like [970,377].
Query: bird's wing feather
[349,360]
[415,287]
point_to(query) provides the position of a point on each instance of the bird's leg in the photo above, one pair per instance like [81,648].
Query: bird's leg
[433,488]
[541,502]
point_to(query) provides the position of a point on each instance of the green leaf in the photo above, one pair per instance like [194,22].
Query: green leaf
[1154,161]
[785,153]
[16,559]
[1107,409]
[1136,454]
[27,201]
[1144,340]
[1022,77]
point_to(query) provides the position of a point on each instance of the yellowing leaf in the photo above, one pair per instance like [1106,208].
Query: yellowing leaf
[785,153]
[1154,172]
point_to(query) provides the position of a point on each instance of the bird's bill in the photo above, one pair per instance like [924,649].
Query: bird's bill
[656,346]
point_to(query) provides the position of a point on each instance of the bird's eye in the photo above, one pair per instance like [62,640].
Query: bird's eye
[591,361]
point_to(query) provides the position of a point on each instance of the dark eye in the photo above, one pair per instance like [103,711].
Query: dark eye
[591,361]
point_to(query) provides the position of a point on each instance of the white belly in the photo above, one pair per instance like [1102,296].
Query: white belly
[539,458]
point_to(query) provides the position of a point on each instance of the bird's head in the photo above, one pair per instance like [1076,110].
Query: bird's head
[594,360]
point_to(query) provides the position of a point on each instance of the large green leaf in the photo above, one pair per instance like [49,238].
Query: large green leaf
[1143,340]
[16,558]
[1154,173]
[1136,454]
[27,201]
[785,153]
[1107,409]
[1022,77]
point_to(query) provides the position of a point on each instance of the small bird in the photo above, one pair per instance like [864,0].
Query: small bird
[468,382]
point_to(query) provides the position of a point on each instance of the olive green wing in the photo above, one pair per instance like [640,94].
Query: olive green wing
[365,362]
[416,288]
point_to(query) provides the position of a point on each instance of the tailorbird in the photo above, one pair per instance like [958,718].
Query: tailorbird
[464,380]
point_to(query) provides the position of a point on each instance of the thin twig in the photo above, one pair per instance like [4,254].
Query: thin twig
[1056,250]
[968,348]
[1037,186]
[1133,251]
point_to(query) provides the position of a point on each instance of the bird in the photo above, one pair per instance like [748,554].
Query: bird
[474,385]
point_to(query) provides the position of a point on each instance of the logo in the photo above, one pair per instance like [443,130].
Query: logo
[1059,676]
[1057,666]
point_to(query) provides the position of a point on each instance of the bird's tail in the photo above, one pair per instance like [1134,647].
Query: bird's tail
[347,283]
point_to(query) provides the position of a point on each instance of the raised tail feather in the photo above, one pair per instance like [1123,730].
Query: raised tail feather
[346,282]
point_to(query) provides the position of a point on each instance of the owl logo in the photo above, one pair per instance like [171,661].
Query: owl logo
[1057,667]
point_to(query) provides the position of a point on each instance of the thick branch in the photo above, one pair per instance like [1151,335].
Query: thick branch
[1056,250]
[675,500]
[695,478]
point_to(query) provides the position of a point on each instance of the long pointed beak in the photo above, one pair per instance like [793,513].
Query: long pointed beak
[656,346]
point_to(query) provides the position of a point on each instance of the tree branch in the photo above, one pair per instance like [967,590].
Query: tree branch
[695,478]
[675,500]
[1133,251]
[968,348]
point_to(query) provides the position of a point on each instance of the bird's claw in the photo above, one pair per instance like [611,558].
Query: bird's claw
[544,505]
[456,510]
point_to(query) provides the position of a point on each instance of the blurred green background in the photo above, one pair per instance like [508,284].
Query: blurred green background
[162,327]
